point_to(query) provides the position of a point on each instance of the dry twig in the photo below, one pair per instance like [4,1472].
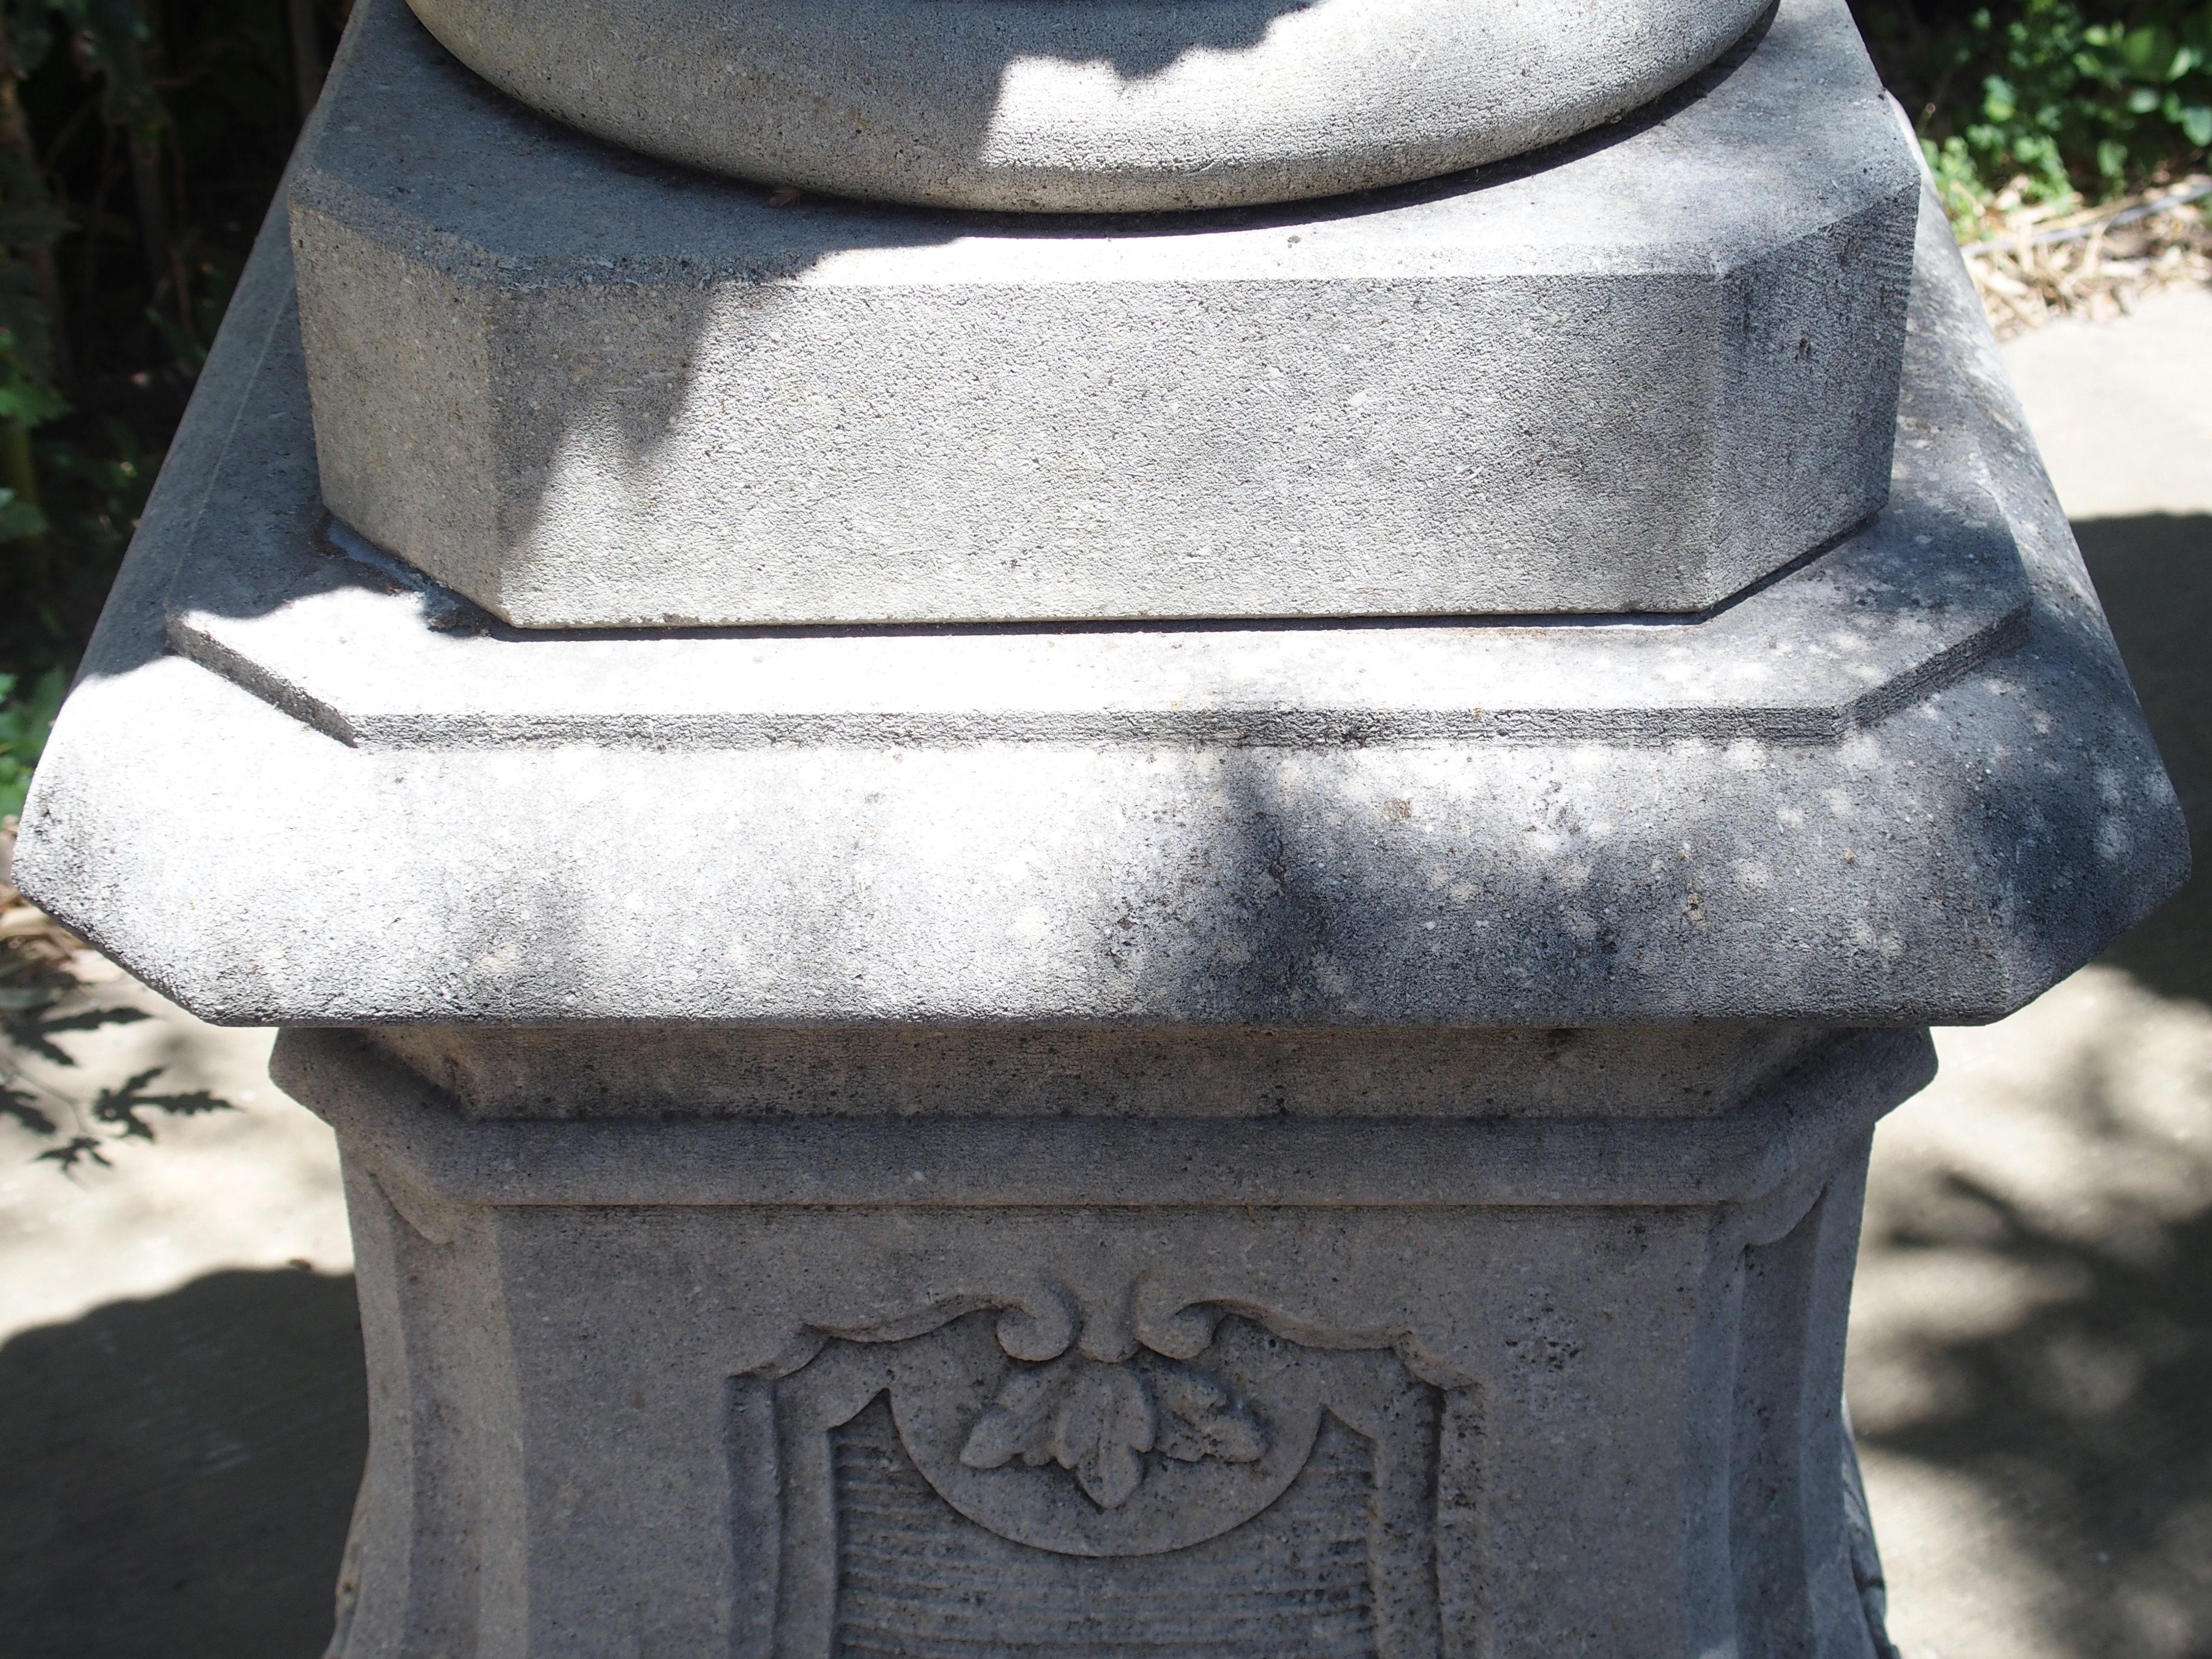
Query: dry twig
[2039,264]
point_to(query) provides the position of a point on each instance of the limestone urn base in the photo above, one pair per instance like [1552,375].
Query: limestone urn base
[1332,1369]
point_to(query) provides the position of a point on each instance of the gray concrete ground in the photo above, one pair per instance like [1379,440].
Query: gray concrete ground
[182,1411]
[181,1400]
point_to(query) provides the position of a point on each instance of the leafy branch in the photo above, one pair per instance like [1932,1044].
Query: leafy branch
[2040,100]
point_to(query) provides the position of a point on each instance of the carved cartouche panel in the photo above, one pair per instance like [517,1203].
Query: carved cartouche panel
[939,1494]
[915,1578]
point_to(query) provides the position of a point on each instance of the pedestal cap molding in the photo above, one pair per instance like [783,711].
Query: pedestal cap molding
[1945,861]
[1773,1149]
[364,649]
[1087,105]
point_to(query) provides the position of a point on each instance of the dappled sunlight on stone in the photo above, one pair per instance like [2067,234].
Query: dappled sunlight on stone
[1097,108]
[1300,1081]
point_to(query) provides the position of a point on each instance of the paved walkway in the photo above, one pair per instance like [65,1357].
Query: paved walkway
[182,1413]
[180,1390]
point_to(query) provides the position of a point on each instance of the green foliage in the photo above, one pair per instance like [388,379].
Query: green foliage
[24,398]
[109,41]
[21,520]
[140,142]
[2038,96]
[2100,104]
[24,723]
[101,487]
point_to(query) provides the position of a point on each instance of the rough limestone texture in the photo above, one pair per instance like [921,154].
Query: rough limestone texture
[1109,105]
[968,1385]
[1335,1139]
[584,390]
[1919,792]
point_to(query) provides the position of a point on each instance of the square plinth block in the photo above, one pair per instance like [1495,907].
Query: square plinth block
[588,390]
[981,1381]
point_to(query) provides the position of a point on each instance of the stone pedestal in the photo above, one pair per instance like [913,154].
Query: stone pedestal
[1346,1370]
[1260,1038]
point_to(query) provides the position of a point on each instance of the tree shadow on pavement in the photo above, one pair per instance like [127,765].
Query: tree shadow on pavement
[2154,573]
[180,1472]
[2083,1421]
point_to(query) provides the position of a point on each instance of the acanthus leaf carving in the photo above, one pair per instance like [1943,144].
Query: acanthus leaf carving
[1204,1419]
[1097,1420]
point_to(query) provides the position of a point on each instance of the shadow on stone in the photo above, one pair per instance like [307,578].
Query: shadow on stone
[180,1472]
[2154,572]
